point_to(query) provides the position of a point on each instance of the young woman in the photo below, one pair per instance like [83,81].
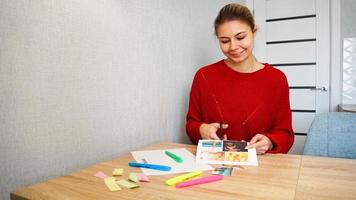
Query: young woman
[239,98]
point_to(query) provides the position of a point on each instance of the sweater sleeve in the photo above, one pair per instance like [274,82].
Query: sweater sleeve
[194,112]
[281,134]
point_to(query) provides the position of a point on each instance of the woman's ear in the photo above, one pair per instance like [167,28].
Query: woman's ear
[254,31]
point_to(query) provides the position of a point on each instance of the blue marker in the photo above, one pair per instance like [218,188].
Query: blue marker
[150,166]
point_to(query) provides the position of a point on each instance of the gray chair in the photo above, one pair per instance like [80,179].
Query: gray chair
[333,135]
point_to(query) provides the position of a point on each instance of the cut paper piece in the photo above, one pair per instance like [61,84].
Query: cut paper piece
[127,184]
[133,177]
[143,178]
[111,184]
[101,175]
[227,171]
[118,172]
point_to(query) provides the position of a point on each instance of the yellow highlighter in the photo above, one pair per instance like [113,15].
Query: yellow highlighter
[183,177]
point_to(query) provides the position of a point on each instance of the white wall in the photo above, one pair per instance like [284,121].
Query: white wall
[85,81]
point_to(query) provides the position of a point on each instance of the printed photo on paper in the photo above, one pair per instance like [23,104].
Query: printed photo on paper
[228,152]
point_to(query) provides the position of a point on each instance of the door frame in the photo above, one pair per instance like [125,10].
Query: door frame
[327,30]
[336,55]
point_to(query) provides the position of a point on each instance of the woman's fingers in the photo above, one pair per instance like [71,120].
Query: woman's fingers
[253,142]
[215,125]
[261,143]
[217,128]
[225,137]
[213,136]
[209,131]
[256,138]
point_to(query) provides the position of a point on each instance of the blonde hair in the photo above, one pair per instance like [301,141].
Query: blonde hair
[234,11]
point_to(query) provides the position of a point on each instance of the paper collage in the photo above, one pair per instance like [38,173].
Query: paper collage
[227,152]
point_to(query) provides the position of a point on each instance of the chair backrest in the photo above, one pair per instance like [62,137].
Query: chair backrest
[332,134]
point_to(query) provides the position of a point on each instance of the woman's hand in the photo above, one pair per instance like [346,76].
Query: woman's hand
[261,142]
[208,131]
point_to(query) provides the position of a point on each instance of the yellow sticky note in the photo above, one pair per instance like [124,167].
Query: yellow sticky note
[118,172]
[111,184]
[133,177]
[127,184]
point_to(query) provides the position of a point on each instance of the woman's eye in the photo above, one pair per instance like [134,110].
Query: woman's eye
[224,41]
[241,38]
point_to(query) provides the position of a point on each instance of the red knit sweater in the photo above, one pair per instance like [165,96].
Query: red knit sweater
[250,103]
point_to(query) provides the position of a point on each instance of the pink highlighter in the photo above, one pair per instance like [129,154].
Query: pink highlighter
[198,181]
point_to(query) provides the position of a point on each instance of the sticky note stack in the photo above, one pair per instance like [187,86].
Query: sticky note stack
[114,185]
[110,182]
[127,184]
[118,172]
[133,177]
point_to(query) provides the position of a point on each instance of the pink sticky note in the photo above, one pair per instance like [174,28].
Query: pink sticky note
[100,174]
[143,178]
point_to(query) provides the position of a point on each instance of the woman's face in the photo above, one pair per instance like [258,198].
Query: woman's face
[236,40]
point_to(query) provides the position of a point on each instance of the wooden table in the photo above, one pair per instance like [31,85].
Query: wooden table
[277,177]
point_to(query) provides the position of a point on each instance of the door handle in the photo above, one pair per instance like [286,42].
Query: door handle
[321,88]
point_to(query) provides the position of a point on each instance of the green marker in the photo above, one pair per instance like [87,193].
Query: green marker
[174,156]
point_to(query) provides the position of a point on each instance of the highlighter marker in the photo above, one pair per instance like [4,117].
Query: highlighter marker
[174,156]
[198,181]
[150,166]
[183,177]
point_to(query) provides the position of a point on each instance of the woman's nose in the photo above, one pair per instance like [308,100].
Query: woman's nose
[234,45]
